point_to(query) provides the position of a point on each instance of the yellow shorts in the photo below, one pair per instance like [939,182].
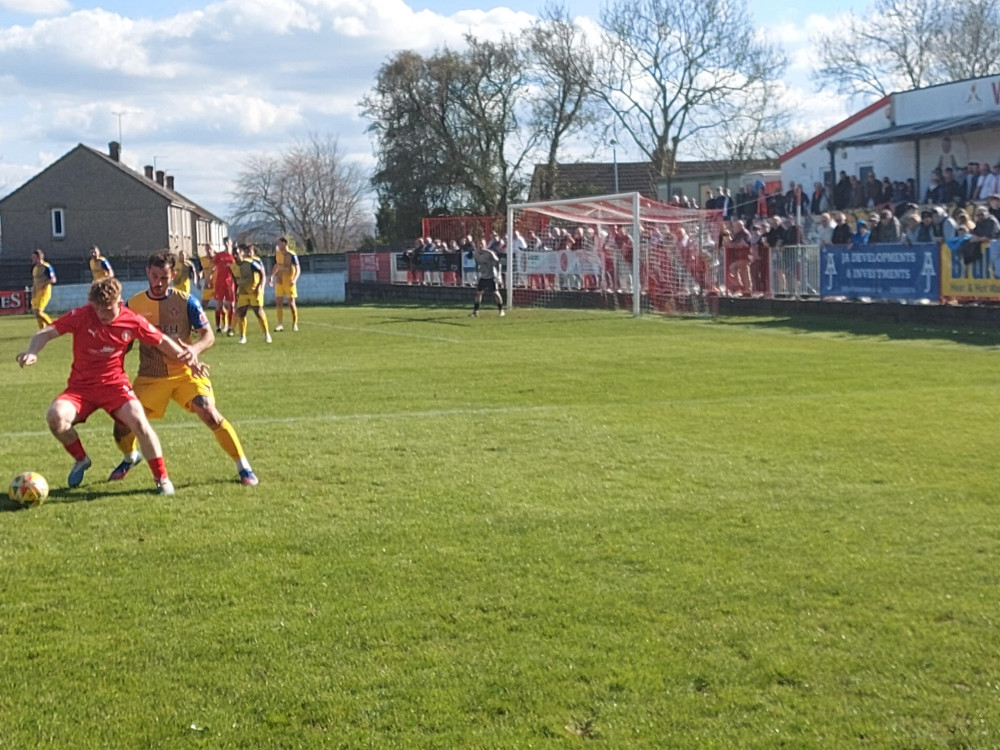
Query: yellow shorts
[288,291]
[255,299]
[156,393]
[41,299]
[207,294]
[183,286]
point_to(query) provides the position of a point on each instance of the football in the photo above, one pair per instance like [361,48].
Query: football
[29,488]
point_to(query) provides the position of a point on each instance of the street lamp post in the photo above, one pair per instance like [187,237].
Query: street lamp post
[614,157]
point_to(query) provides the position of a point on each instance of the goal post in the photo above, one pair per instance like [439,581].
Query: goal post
[620,251]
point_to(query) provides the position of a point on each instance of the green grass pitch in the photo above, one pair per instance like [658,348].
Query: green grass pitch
[558,529]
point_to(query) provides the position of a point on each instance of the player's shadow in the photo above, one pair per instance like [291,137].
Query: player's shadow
[959,334]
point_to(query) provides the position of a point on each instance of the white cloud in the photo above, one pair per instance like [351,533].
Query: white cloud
[230,78]
[36,7]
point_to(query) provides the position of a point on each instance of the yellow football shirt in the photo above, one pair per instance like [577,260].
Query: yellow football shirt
[177,315]
[100,268]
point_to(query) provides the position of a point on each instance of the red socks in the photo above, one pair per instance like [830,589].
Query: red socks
[75,449]
[159,468]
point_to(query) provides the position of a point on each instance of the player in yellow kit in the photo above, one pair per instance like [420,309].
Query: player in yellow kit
[100,268]
[284,275]
[186,274]
[161,380]
[248,272]
[43,276]
[207,279]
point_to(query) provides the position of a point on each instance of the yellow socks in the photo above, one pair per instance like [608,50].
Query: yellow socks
[226,437]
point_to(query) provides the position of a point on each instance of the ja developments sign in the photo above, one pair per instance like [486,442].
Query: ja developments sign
[890,272]
[13,302]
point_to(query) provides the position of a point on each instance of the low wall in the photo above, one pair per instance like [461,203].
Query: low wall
[314,288]
[964,316]
[333,288]
[961,316]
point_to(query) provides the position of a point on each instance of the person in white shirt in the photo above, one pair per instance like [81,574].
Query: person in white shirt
[990,184]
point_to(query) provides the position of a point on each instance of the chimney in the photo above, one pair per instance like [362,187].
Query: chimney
[115,150]
[170,182]
[149,171]
[159,177]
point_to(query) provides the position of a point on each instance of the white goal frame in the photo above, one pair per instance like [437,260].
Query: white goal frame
[618,209]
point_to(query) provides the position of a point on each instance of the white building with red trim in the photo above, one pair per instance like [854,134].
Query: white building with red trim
[905,135]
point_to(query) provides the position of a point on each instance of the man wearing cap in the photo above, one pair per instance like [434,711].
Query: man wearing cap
[987,226]
[972,247]
[888,230]
[947,225]
[861,235]
[873,222]
[926,230]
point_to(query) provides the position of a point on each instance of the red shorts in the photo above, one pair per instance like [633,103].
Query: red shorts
[88,400]
[225,292]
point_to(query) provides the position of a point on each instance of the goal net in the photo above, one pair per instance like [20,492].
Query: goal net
[614,251]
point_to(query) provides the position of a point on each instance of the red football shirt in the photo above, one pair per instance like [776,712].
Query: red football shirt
[223,275]
[98,349]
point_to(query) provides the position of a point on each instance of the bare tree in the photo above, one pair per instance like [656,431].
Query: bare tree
[971,48]
[257,198]
[310,192]
[668,68]
[561,75]
[890,47]
[909,44]
[753,125]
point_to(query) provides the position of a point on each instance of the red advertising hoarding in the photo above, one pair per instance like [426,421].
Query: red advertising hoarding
[13,302]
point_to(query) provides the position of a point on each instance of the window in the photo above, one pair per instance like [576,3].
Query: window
[58,222]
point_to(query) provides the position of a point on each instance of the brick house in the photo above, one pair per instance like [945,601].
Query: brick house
[88,197]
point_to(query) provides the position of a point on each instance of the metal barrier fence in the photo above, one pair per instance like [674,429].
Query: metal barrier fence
[794,271]
[781,272]
[789,271]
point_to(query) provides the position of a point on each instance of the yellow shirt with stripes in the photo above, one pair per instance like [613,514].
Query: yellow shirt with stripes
[43,276]
[249,276]
[177,315]
[185,274]
[207,279]
[100,267]
[287,263]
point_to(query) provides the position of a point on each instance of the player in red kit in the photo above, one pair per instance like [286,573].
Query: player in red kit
[102,333]
[225,289]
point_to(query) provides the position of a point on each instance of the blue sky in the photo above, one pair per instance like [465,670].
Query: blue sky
[206,84]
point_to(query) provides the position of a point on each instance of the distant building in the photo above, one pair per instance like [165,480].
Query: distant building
[581,179]
[906,135]
[90,198]
[692,179]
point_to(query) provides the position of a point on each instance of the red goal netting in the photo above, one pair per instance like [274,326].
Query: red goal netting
[621,251]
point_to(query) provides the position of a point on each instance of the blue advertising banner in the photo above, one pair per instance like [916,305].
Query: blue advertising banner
[890,272]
